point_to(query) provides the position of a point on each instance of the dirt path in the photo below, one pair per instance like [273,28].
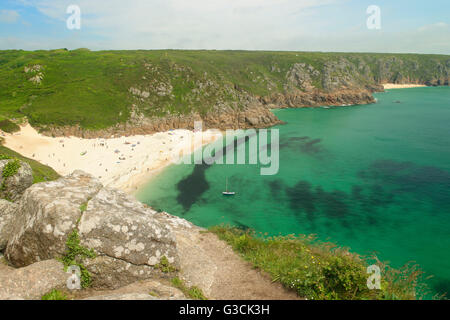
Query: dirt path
[213,266]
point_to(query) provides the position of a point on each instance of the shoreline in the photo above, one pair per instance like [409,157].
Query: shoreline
[388,86]
[125,163]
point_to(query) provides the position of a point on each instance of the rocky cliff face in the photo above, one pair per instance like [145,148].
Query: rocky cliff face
[329,81]
[257,115]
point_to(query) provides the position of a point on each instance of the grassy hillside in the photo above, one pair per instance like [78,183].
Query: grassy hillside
[100,89]
[41,172]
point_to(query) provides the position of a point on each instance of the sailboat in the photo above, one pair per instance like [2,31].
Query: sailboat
[228,193]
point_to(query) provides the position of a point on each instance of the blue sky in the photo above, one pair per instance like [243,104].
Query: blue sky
[304,25]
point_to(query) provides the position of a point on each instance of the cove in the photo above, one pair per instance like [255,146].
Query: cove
[375,178]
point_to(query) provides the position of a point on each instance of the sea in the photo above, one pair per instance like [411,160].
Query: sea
[374,178]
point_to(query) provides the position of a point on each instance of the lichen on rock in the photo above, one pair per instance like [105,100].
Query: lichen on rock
[128,238]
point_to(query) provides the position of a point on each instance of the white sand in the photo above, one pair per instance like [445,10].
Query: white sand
[402,86]
[139,158]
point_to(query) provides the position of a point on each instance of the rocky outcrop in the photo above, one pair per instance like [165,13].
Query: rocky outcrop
[300,99]
[128,238]
[47,213]
[8,210]
[141,290]
[33,281]
[255,116]
[13,186]
[36,73]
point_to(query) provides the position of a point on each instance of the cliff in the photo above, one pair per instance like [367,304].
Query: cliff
[103,93]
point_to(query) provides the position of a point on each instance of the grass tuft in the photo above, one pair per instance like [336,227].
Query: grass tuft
[54,295]
[190,292]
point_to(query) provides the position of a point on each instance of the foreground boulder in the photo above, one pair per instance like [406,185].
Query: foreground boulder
[33,281]
[47,213]
[12,187]
[128,238]
[141,290]
[7,212]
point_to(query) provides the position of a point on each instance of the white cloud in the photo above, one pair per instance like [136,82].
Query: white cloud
[438,25]
[231,24]
[9,16]
[219,24]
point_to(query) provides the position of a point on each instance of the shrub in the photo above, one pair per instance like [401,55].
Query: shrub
[54,295]
[190,292]
[165,266]
[317,270]
[9,126]
[74,256]
[9,170]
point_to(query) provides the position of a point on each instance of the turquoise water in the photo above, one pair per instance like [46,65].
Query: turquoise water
[375,178]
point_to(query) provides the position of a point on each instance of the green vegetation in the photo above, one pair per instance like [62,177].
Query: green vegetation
[54,295]
[9,126]
[75,255]
[193,292]
[9,170]
[153,294]
[41,172]
[165,266]
[83,207]
[92,89]
[318,270]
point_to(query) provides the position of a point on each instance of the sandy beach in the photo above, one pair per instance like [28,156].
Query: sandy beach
[124,163]
[402,86]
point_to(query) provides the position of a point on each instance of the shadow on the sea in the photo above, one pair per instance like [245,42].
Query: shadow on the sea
[442,287]
[383,181]
[195,185]
[305,145]
[192,187]
[422,182]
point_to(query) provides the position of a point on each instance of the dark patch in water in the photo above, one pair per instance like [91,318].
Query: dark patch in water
[333,203]
[241,226]
[195,185]
[302,198]
[276,188]
[192,187]
[421,182]
[303,144]
[311,146]
[341,207]
[442,287]
[357,193]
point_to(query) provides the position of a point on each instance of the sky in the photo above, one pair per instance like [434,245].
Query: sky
[283,25]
